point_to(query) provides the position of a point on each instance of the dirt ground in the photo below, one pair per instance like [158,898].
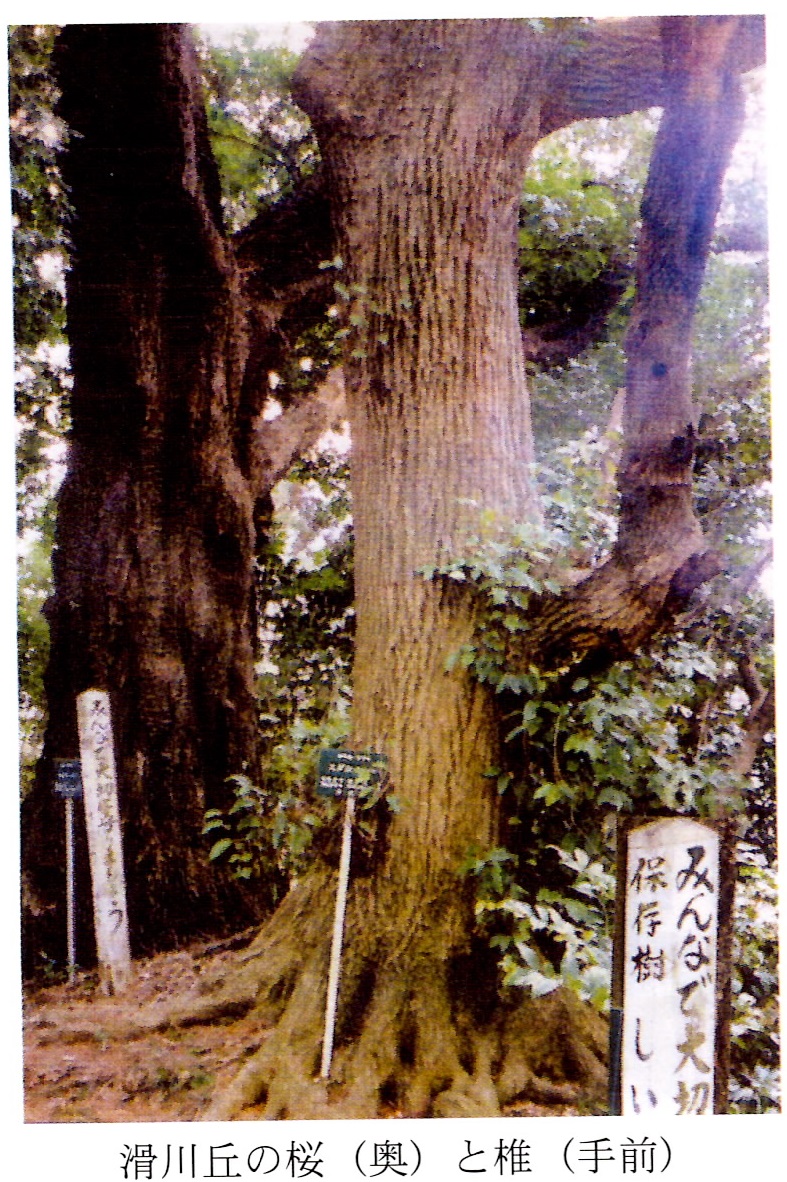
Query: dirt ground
[76,1070]
[90,1076]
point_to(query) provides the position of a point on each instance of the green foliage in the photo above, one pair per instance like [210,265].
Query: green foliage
[42,382]
[579,223]
[37,197]
[732,393]
[305,607]
[33,652]
[39,207]
[305,596]
[265,829]
[505,567]
[562,937]
[262,142]
[276,829]
[573,230]
[655,731]
[755,1084]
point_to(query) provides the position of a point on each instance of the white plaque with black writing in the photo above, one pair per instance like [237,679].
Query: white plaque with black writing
[670,969]
[102,817]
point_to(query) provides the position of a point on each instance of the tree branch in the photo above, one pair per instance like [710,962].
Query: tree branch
[660,556]
[748,239]
[285,244]
[612,67]
[761,720]
[276,443]
[607,68]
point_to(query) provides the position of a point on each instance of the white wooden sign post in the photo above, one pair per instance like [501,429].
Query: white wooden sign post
[102,816]
[672,968]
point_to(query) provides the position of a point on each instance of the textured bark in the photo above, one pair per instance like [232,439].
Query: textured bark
[152,568]
[611,67]
[274,445]
[425,135]
[169,467]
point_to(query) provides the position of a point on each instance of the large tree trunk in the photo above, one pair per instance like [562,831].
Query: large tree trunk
[426,135]
[154,554]
[170,464]
[425,132]
[426,212]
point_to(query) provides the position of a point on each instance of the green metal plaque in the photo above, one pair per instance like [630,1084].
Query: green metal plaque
[342,772]
[68,779]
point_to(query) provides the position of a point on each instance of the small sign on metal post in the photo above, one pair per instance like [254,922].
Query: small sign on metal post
[68,779]
[671,978]
[342,774]
[341,771]
[68,786]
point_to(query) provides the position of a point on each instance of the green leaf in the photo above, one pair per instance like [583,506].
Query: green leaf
[220,848]
[584,743]
[503,781]
[619,800]
[214,823]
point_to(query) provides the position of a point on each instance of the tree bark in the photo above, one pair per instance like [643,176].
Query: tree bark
[170,463]
[425,135]
[154,547]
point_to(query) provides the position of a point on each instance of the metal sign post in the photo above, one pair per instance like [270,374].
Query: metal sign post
[68,786]
[337,937]
[340,774]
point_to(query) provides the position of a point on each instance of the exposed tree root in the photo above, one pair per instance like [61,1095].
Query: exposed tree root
[422,1029]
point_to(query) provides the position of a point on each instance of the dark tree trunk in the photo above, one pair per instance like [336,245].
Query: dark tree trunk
[172,330]
[155,538]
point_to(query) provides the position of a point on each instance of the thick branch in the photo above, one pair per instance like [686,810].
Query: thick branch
[612,67]
[605,69]
[748,239]
[660,556]
[276,443]
[286,243]
[760,721]
[286,290]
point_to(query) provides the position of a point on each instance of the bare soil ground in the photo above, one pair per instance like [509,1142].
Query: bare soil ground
[90,1075]
[161,1076]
